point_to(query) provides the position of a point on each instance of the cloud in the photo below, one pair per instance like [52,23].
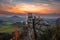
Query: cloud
[4,4]
[10,1]
[6,1]
[44,7]
[39,8]
[9,13]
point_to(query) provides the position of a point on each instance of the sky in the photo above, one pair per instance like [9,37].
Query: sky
[44,8]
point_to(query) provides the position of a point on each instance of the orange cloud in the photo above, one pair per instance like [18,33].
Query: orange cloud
[1,14]
[15,11]
[24,8]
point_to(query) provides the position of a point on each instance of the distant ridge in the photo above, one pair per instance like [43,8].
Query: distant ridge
[13,19]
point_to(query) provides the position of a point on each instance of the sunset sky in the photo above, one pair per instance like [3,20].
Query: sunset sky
[46,8]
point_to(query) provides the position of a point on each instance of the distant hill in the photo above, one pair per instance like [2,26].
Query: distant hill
[51,21]
[13,19]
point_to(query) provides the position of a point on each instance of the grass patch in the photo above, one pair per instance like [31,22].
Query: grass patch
[8,30]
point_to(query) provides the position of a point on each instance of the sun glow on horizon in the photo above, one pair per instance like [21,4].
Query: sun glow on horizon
[29,8]
[25,8]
